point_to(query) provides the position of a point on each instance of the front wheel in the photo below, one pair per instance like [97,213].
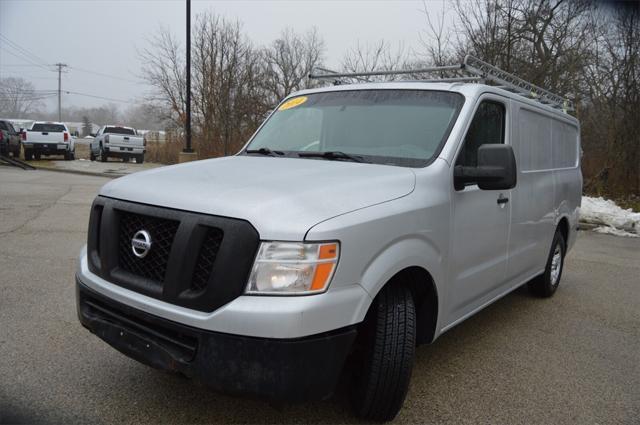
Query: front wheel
[547,283]
[103,155]
[385,347]
[92,156]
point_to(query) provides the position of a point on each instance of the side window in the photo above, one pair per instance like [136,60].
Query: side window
[487,127]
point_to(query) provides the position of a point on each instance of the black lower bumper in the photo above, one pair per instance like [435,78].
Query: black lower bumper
[275,369]
[122,153]
[46,149]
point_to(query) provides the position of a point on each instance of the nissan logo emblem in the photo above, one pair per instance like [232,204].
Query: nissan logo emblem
[141,243]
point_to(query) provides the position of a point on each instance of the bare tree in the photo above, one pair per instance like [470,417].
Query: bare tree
[289,60]
[163,68]
[380,56]
[435,38]
[18,98]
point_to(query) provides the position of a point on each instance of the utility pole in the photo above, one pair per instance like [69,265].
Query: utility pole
[60,66]
[187,153]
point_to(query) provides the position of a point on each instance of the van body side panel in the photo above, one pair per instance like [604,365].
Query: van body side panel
[568,175]
[534,200]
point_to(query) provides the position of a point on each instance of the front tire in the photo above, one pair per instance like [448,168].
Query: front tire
[103,156]
[547,283]
[387,343]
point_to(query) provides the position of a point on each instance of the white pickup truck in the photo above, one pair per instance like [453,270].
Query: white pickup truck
[48,138]
[117,142]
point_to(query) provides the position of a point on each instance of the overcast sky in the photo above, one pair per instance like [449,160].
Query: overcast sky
[102,37]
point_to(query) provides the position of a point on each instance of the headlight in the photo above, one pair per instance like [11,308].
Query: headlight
[293,268]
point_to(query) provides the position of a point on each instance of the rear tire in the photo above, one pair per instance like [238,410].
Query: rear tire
[38,156]
[139,159]
[92,157]
[16,152]
[28,155]
[547,283]
[387,342]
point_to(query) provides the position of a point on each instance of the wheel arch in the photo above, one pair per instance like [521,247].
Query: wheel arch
[563,227]
[425,296]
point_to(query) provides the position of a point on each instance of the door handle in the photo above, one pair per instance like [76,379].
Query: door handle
[502,199]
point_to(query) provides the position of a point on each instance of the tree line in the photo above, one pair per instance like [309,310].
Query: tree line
[583,49]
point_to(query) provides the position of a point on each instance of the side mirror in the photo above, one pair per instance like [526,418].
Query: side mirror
[496,169]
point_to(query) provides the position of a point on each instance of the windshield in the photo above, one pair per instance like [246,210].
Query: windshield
[120,130]
[399,127]
[46,127]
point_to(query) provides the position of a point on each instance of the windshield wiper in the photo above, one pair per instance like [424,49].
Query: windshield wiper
[331,155]
[264,151]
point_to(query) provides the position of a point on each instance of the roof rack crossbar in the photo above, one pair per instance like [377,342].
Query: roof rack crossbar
[476,70]
[380,73]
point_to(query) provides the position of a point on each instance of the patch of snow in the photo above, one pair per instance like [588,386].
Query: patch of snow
[616,232]
[611,218]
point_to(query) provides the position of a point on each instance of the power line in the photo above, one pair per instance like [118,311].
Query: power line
[16,64]
[27,60]
[105,75]
[102,97]
[26,52]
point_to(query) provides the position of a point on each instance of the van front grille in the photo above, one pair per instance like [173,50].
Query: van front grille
[154,265]
[197,261]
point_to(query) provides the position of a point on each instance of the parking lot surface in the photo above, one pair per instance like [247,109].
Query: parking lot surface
[574,358]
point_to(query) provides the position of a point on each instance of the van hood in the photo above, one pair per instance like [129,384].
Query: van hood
[281,197]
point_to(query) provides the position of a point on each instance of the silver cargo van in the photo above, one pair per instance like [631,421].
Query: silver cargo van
[360,221]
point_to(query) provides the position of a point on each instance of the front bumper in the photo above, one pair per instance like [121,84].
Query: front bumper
[295,369]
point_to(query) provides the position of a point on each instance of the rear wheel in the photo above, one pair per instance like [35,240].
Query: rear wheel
[28,155]
[547,283]
[16,152]
[140,159]
[38,155]
[385,347]
[92,157]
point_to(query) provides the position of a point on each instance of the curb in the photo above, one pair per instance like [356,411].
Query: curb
[80,172]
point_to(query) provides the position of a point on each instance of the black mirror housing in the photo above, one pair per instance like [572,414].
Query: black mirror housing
[499,156]
[496,169]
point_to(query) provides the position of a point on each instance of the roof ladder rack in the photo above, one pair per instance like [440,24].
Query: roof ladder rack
[475,69]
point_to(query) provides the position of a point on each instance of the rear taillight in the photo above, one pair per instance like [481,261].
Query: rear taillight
[24,135]
[66,137]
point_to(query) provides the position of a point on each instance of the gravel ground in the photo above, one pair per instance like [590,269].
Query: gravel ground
[574,358]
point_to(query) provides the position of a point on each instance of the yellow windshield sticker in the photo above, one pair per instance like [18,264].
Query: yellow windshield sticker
[296,101]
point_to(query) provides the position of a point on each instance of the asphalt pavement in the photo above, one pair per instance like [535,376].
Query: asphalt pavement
[574,358]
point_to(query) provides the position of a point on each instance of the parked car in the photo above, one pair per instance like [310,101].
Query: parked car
[358,222]
[48,138]
[9,139]
[117,142]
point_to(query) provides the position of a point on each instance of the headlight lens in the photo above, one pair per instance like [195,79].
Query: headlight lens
[293,268]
